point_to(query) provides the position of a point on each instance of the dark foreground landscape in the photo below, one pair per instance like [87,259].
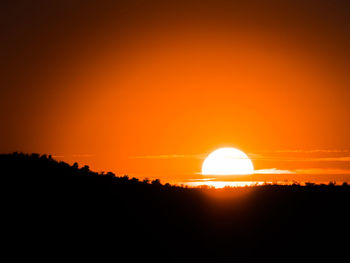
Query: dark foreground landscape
[54,211]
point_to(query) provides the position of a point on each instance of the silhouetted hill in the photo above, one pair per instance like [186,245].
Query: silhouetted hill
[56,211]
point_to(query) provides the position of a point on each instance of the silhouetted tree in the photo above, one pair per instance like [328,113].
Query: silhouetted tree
[75,165]
[146,180]
[135,180]
[156,182]
[332,183]
[309,184]
[110,174]
[85,169]
[125,178]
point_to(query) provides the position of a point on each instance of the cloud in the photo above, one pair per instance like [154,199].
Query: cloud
[329,171]
[262,156]
[268,156]
[83,155]
[255,156]
[77,155]
[332,159]
[172,156]
[322,171]
[273,171]
[202,179]
[314,151]
[315,159]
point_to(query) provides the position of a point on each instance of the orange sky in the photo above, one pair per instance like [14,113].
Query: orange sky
[149,89]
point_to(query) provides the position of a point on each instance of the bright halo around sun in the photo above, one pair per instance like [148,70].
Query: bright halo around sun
[227,161]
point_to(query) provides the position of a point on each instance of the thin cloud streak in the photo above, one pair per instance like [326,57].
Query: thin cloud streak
[83,155]
[273,171]
[322,171]
[302,159]
[299,159]
[328,171]
[314,151]
[172,156]
[332,159]
[77,155]
[263,156]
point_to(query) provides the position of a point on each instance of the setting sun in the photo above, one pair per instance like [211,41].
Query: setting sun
[227,161]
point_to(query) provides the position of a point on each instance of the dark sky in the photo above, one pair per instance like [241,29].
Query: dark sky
[54,52]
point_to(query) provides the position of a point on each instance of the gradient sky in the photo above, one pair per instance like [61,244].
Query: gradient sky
[149,88]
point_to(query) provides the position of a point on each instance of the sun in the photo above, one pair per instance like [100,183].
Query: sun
[227,161]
